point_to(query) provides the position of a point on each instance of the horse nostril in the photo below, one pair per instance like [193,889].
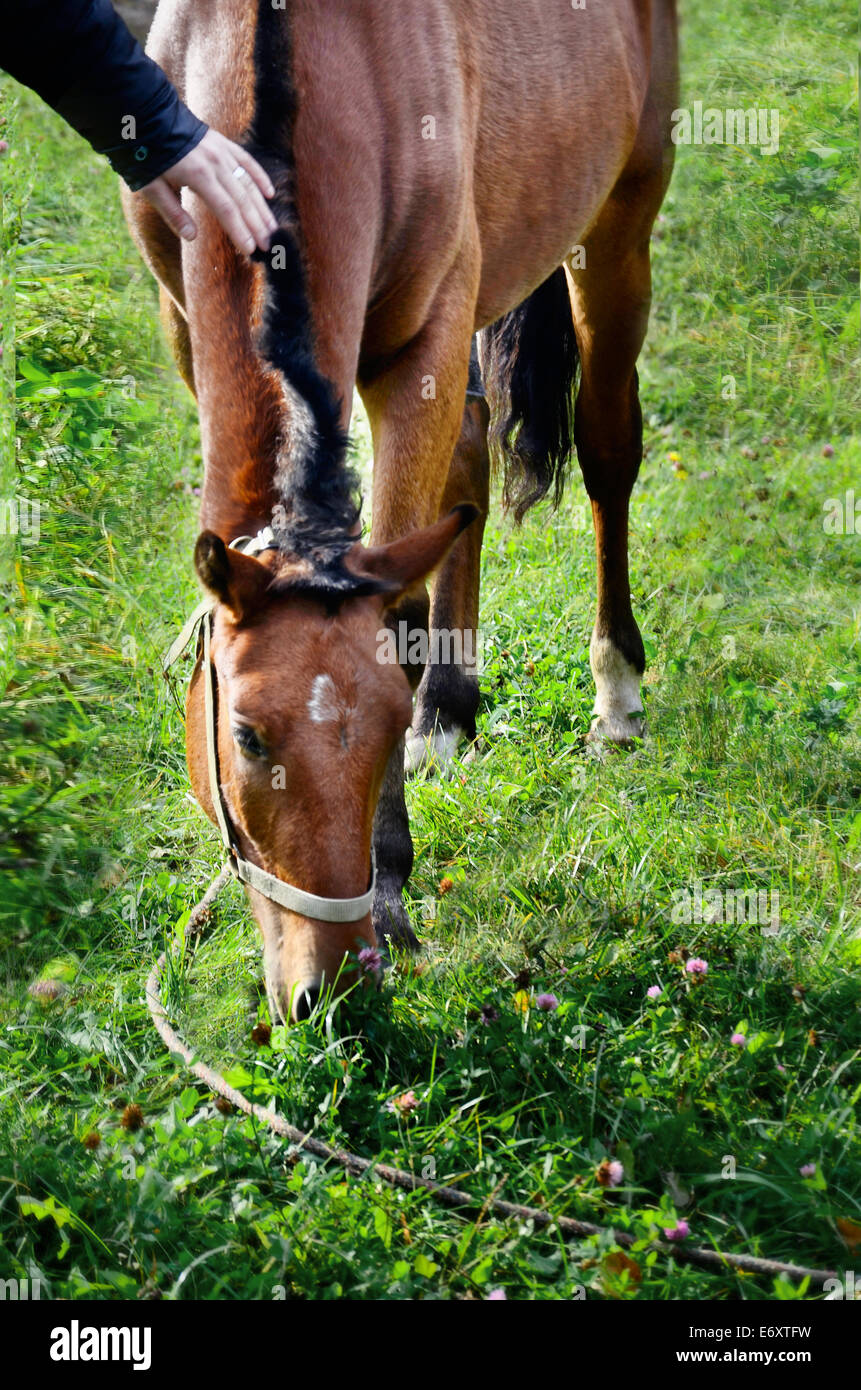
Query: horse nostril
[305,1001]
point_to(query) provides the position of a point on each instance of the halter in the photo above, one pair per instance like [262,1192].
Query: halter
[277,890]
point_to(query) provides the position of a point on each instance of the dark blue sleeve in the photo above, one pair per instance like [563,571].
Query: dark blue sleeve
[83,61]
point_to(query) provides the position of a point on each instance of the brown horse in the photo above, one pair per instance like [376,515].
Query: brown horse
[442,167]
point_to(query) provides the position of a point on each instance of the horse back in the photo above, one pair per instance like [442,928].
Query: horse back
[418,129]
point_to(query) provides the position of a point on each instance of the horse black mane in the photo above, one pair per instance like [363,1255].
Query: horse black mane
[318,493]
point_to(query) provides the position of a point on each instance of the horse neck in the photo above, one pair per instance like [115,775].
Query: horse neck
[240,446]
[243,412]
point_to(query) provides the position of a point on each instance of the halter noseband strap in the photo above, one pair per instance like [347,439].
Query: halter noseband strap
[277,890]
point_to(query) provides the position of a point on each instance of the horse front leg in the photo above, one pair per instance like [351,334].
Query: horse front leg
[415,408]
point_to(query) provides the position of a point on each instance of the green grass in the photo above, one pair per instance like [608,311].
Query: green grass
[564,869]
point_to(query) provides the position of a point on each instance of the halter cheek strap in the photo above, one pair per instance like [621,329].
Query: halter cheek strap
[277,890]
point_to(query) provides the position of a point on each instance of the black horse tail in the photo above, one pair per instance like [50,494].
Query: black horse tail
[529,363]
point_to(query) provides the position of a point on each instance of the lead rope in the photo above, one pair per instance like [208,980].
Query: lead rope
[714,1260]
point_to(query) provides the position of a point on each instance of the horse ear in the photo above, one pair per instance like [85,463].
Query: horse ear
[404,562]
[237,580]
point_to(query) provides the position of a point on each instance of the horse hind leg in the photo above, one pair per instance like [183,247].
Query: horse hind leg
[447,698]
[175,326]
[162,252]
[610,297]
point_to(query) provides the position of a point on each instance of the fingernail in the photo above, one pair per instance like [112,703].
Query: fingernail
[250,245]
[187,230]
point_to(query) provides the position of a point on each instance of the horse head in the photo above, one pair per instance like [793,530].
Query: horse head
[304,712]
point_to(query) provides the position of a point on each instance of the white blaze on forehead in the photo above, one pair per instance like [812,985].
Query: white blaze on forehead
[325,703]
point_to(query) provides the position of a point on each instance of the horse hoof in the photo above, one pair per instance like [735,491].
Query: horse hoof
[616,731]
[391,923]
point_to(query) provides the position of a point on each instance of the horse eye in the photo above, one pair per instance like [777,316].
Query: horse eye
[247,741]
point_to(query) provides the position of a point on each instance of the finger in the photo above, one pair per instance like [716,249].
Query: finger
[162,197]
[253,190]
[257,172]
[221,201]
[250,207]
[255,210]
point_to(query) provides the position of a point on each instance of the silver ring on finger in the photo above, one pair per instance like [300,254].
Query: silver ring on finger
[239,172]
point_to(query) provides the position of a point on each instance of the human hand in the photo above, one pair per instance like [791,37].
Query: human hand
[231,183]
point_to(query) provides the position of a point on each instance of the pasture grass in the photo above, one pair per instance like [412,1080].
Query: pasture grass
[539,868]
